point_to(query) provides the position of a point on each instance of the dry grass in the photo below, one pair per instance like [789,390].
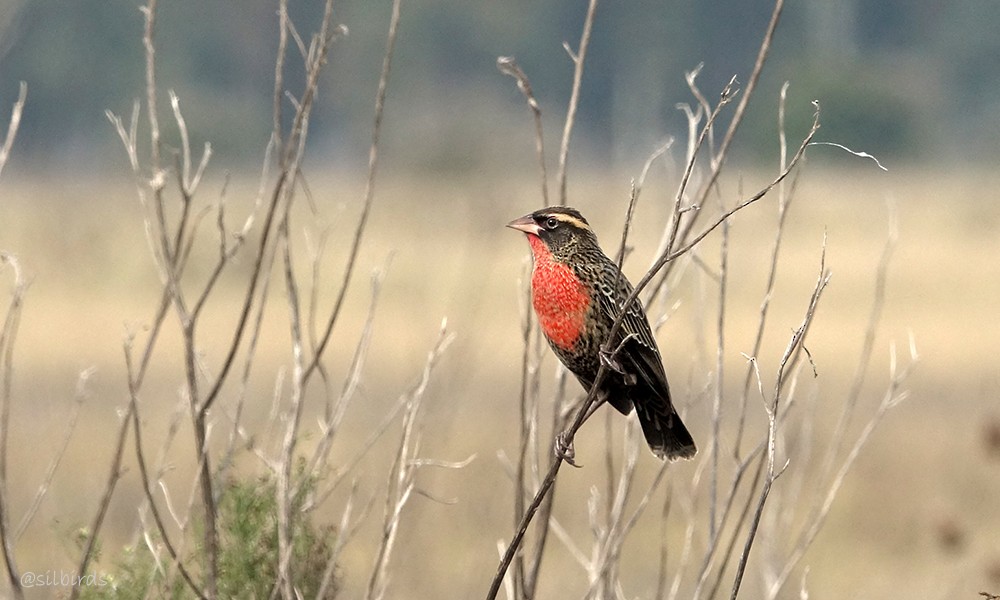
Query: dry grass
[81,245]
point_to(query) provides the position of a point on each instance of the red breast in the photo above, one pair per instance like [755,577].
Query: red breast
[559,297]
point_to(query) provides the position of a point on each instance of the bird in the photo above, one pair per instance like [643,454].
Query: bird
[577,293]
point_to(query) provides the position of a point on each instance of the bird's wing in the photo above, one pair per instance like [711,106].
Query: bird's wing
[639,354]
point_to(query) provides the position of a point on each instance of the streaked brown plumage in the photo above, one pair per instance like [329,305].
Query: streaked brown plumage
[576,300]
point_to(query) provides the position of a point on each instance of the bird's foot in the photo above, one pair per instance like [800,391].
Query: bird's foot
[564,449]
[610,360]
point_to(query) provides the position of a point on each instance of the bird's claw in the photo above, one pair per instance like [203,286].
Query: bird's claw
[564,449]
[609,360]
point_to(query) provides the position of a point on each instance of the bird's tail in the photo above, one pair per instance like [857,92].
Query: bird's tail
[666,434]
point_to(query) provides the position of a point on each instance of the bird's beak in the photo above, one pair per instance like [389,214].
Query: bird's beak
[525,224]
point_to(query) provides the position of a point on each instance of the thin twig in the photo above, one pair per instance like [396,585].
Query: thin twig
[892,396]
[13,125]
[149,11]
[402,474]
[868,345]
[720,347]
[8,335]
[718,158]
[133,413]
[369,194]
[335,413]
[508,66]
[523,581]
[245,310]
[756,458]
[283,488]
[114,475]
[785,197]
[670,234]
[578,58]
[279,71]
[772,472]
[290,158]
[78,398]
[608,545]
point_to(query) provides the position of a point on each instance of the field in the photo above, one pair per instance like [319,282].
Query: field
[918,516]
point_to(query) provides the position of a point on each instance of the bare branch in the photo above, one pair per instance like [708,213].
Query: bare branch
[81,394]
[784,200]
[508,66]
[94,530]
[284,489]
[868,345]
[8,335]
[670,234]
[279,71]
[369,194]
[149,11]
[771,408]
[578,58]
[854,152]
[13,125]
[335,410]
[147,484]
[403,472]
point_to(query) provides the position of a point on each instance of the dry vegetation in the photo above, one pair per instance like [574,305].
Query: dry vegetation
[351,422]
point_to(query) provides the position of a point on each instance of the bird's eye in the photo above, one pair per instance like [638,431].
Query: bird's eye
[551,223]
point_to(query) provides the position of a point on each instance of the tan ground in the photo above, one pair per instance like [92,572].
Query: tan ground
[919,517]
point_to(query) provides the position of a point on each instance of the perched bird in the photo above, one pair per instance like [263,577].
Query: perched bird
[575,296]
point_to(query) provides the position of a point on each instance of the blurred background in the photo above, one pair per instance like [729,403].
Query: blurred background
[914,82]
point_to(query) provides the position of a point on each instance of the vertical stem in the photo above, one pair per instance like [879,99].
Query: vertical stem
[369,194]
[772,473]
[285,490]
[713,518]
[279,70]
[95,527]
[13,125]
[208,501]
[521,477]
[154,122]
[7,335]
[574,98]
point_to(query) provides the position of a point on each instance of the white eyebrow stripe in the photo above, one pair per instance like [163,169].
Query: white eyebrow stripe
[570,220]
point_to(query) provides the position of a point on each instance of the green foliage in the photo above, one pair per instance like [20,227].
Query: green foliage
[248,554]
[249,534]
[133,578]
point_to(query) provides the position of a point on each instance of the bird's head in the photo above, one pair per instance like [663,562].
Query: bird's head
[562,230]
